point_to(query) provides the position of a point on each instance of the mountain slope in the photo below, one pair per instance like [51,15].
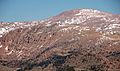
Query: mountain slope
[82,39]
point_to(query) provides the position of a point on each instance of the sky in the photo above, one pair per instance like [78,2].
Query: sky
[29,10]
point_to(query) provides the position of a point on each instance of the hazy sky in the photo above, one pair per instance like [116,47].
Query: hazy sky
[28,10]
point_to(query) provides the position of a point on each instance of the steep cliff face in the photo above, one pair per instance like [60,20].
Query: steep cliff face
[82,39]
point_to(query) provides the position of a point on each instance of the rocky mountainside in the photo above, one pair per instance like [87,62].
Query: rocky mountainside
[75,40]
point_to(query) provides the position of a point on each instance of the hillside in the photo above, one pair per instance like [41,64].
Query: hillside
[75,40]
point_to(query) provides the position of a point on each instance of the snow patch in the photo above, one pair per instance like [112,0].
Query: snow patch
[78,14]
[79,33]
[98,29]
[48,24]
[0,46]
[0,35]
[6,48]
[10,52]
[112,26]
[50,35]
